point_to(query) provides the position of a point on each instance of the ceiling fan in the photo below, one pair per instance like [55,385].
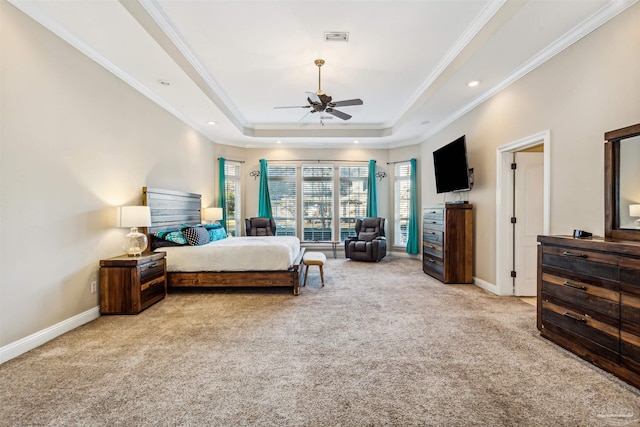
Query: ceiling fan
[320,102]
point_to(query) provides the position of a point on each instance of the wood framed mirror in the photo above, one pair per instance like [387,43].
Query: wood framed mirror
[622,183]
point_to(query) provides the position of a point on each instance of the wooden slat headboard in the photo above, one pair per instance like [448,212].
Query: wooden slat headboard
[170,209]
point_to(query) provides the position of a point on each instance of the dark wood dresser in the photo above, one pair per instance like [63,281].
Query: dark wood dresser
[447,242]
[589,300]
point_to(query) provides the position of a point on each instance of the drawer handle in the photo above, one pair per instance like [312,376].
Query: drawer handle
[155,264]
[571,285]
[567,253]
[576,318]
[431,260]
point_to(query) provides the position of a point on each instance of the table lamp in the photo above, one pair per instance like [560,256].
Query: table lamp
[634,212]
[212,215]
[134,243]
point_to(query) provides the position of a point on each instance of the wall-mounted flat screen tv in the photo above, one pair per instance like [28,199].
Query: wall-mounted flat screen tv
[451,167]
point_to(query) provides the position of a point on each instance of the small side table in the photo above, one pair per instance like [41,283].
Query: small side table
[130,284]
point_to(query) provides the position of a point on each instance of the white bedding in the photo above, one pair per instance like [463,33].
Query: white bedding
[235,254]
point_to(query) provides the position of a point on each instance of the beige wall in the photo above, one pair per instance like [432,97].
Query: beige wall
[75,142]
[590,88]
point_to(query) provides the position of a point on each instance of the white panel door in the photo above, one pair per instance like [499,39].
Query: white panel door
[529,182]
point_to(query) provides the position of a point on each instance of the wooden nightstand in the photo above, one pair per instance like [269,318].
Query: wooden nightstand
[129,285]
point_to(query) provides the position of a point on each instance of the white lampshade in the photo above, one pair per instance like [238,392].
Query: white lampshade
[212,214]
[134,216]
[134,243]
[634,210]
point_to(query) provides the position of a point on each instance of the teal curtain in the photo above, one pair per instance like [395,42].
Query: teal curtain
[413,239]
[264,201]
[372,200]
[222,189]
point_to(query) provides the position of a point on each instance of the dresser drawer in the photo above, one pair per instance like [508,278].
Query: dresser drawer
[433,236]
[630,276]
[152,291]
[433,266]
[433,214]
[585,331]
[151,270]
[630,351]
[433,224]
[630,305]
[630,313]
[432,249]
[581,262]
[582,296]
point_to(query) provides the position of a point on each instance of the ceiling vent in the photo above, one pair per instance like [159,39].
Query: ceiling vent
[336,36]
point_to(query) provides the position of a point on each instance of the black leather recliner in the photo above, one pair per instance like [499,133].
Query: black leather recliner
[370,243]
[258,226]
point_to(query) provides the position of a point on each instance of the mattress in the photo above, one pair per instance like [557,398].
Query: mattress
[270,253]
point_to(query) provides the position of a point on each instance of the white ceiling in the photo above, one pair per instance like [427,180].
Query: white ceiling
[232,61]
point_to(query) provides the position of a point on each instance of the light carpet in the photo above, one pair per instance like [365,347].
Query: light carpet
[380,344]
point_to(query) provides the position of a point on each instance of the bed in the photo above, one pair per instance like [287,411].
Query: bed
[240,262]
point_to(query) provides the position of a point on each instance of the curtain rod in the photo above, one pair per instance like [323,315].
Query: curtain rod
[399,161]
[231,160]
[318,161]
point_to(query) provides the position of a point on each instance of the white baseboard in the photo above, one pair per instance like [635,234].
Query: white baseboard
[486,285]
[23,345]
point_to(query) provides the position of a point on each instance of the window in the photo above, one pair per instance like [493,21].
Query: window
[232,194]
[353,198]
[282,190]
[317,202]
[402,199]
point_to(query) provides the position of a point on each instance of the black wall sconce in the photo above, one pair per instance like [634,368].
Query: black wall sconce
[254,174]
[381,175]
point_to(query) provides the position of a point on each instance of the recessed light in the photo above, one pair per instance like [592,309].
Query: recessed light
[278,142]
[164,82]
[473,83]
[211,123]
[356,142]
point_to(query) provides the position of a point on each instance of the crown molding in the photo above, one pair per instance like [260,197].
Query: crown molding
[35,13]
[599,18]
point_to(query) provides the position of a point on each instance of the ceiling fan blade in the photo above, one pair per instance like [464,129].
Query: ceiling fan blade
[305,116]
[346,103]
[295,106]
[338,114]
[313,98]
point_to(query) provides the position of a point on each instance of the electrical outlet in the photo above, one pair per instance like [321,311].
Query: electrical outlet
[94,287]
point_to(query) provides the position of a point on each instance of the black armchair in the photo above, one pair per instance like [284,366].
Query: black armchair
[370,243]
[258,226]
